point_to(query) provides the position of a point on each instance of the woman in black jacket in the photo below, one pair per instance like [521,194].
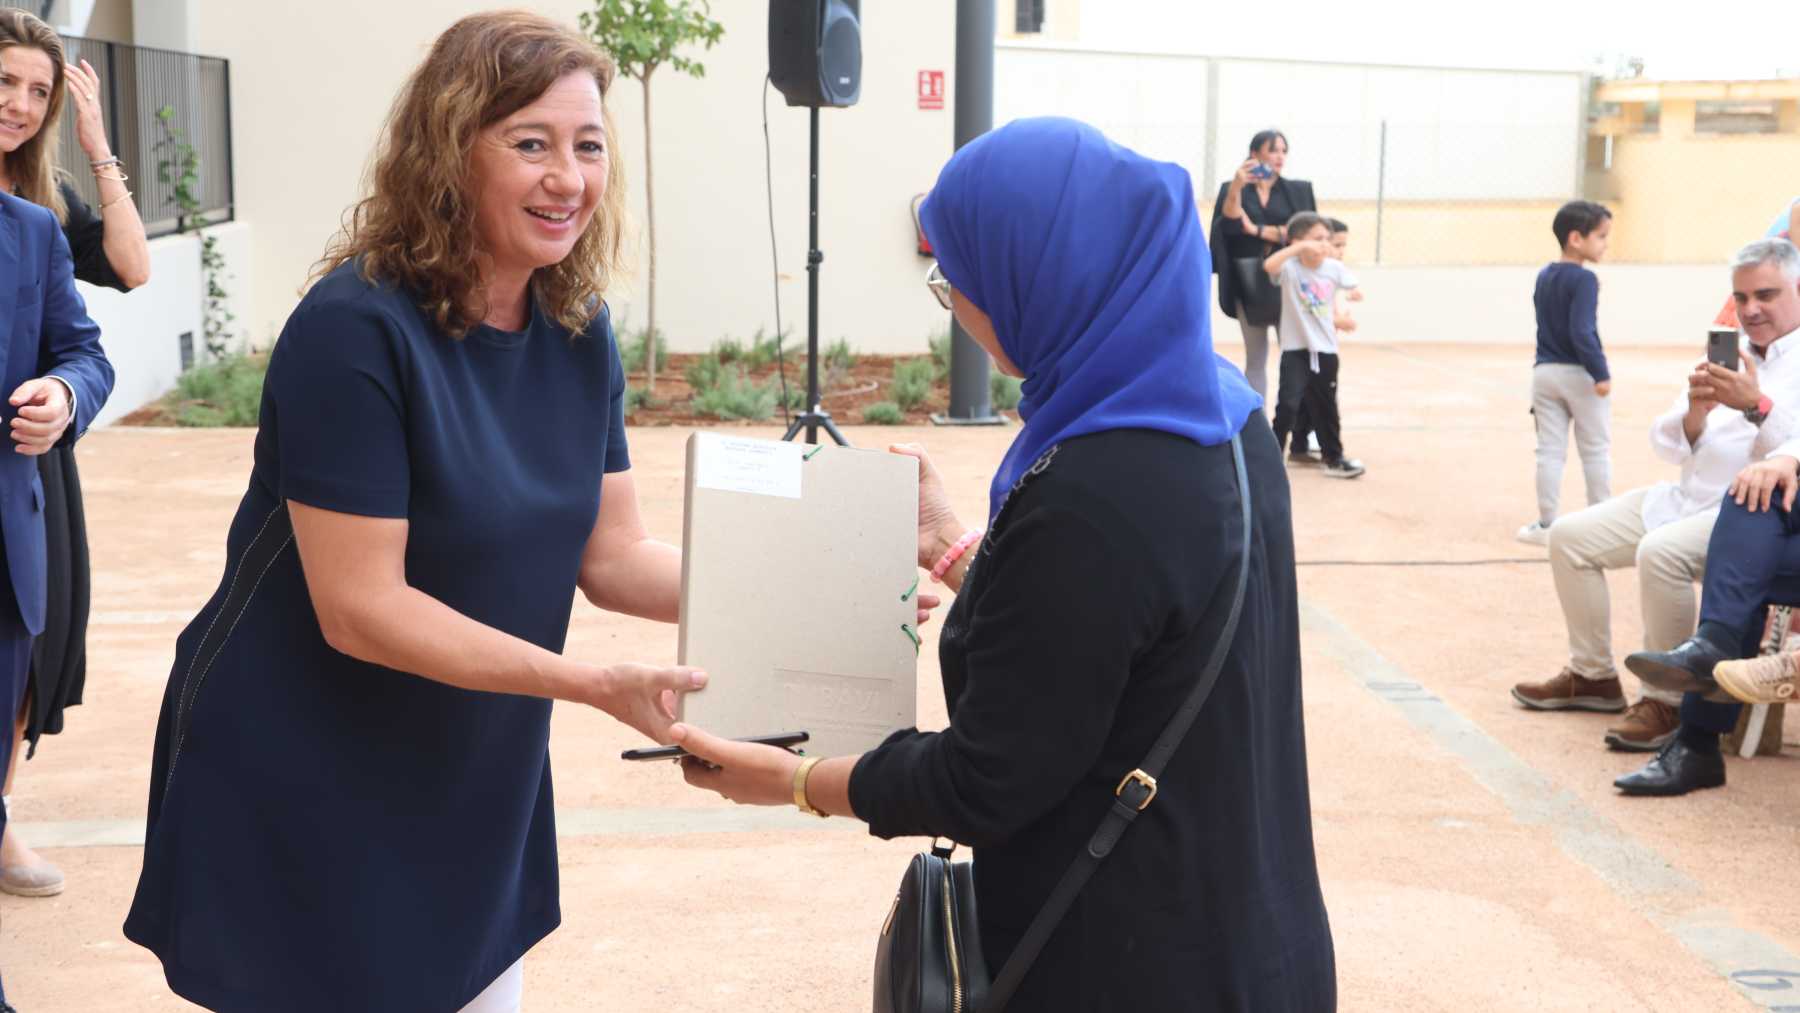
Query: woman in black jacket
[1250,217]
[1087,609]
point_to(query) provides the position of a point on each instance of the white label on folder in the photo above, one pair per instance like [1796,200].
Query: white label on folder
[760,467]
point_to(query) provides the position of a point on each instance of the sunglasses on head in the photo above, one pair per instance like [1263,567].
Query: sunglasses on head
[938,284]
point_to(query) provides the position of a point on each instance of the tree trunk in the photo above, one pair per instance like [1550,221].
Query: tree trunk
[650,218]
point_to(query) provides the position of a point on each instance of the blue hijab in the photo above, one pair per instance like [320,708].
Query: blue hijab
[1090,260]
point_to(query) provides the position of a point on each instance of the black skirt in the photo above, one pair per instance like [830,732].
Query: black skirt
[59,655]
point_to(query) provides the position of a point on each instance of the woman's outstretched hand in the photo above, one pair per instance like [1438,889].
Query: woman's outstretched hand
[645,696]
[747,773]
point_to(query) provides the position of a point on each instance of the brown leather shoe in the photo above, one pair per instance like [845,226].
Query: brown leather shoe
[1570,692]
[1647,727]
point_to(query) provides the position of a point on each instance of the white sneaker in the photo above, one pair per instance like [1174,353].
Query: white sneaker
[1534,534]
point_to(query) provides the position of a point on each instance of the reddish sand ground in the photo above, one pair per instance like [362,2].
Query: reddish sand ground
[1475,855]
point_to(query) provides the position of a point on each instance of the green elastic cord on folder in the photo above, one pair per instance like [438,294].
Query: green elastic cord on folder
[909,591]
[912,635]
[809,454]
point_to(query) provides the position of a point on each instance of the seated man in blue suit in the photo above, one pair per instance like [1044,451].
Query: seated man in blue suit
[56,378]
[1753,557]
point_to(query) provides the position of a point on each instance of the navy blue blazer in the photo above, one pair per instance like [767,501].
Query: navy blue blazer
[45,330]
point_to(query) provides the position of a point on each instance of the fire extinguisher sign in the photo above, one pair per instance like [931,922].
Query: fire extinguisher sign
[931,89]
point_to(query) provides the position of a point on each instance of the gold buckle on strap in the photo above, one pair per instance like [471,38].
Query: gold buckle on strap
[1142,778]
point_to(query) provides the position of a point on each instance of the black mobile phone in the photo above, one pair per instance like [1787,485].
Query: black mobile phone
[1722,346]
[786,740]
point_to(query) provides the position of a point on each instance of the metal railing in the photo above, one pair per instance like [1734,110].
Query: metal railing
[139,85]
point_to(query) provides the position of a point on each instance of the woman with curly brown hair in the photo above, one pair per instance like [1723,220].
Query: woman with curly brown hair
[350,804]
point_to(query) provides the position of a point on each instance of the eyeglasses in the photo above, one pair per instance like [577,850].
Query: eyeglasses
[938,284]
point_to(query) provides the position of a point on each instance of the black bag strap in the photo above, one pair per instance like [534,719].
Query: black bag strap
[1138,788]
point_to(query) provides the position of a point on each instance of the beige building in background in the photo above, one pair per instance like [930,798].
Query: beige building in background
[1693,169]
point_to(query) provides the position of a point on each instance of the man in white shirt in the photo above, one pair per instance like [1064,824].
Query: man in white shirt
[1663,530]
[1753,556]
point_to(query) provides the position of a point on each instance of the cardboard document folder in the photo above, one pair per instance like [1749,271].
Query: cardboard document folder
[799,590]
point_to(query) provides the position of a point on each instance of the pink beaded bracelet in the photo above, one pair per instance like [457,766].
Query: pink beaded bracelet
[955,553]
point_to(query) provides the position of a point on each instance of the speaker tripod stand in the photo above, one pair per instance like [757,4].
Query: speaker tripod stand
[815,417]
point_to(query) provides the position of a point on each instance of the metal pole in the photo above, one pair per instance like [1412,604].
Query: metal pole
[974,83]
[1380,191]
[813,259]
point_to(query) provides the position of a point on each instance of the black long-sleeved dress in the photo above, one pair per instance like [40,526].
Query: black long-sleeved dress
[59,655]
[1083,622]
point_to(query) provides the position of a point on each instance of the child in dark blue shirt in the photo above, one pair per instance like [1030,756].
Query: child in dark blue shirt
[1570,381]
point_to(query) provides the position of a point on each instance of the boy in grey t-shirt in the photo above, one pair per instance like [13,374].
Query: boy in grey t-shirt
[1310,280]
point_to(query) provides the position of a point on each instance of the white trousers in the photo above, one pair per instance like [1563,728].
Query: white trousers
[504,995]
[1560,395]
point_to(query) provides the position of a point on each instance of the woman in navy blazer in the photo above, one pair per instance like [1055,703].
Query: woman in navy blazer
[57,378]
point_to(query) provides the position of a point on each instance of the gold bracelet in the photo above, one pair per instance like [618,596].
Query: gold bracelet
[120,178]
[801,773]
[115,200]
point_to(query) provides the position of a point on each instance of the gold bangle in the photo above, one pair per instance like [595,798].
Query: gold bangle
[120,178]
[801,773]
[115,200]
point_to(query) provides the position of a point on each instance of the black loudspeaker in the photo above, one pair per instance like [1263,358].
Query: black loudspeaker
[815,51]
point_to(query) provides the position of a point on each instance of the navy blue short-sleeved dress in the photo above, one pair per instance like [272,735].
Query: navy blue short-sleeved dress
[327,834]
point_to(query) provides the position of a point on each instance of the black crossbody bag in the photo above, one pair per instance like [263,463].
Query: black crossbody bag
[928,959]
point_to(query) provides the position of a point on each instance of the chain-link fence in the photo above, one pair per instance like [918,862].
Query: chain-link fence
[1428,166]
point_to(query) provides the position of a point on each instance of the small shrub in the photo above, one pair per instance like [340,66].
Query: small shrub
[884,413]
[728,350]
[638,397]
[940,353]
[704,373]
[913,380]
[796,396]
[840,355]
[736,397]
[1003,390]
[761,352]
[226,392]
[631,351]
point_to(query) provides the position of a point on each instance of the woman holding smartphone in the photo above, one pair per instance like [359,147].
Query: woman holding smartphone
[1248,224]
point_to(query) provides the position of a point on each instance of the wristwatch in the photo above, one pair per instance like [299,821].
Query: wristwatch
[1763,407]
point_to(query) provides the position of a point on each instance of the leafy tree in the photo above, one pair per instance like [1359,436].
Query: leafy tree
[642,35]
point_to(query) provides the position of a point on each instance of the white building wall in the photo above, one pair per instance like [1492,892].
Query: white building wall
[1153,104]
[1452,134]
[308,98]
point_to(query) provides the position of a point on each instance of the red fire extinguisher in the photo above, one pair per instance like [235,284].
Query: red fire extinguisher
[918,229]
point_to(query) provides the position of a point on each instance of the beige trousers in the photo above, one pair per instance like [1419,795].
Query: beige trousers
[1611,536]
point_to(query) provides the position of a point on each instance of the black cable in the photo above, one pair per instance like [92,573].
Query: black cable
[774,253]
[1417,562]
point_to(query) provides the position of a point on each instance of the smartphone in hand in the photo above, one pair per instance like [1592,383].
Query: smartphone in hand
[1722,347]
[786,740]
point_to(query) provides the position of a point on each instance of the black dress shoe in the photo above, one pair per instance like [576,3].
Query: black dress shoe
[1686,669]
[1677,770]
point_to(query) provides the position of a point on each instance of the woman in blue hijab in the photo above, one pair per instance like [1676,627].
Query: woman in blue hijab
[1087,609]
